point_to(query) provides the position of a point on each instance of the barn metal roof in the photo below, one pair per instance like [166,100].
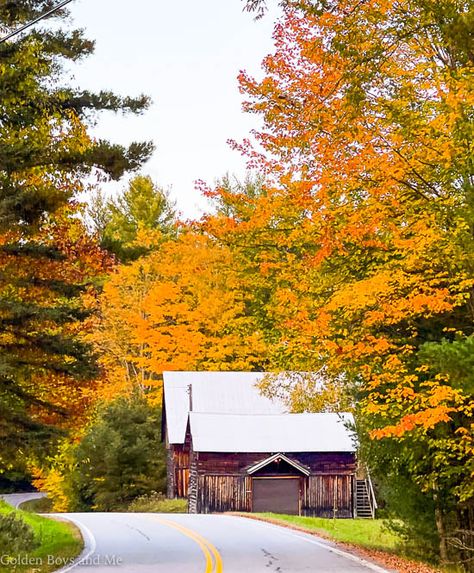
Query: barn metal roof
[176,411]
[272,433]
[213,392]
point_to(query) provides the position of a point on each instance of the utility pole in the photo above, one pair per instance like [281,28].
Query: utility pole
[33,22]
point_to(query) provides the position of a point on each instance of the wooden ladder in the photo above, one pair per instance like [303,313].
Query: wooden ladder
[366,504]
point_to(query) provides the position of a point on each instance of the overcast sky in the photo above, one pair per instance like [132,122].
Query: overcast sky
[186,55]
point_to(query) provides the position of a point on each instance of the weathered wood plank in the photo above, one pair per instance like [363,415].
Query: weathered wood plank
[322,495]
[323,463]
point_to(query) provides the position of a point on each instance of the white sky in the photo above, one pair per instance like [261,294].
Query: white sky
[186,55]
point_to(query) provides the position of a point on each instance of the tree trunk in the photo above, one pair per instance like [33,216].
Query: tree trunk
[441,527]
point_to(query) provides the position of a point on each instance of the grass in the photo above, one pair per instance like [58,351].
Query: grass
[369,533]
[157,503]
[58,539]
[42,505]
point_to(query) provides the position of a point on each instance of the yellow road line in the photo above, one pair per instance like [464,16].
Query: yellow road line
[215,553]
[213,558]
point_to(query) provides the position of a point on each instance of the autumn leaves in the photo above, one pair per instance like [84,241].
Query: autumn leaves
[178,308]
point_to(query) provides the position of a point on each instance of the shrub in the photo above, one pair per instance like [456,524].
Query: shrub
[41,505]
[55,480]
[16,535]
[156,502]
[409,510]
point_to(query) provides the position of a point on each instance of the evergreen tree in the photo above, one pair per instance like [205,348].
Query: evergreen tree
[47,264]
[236,198]
[136,221]
[120,457]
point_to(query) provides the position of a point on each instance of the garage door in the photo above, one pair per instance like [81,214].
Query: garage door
[278,495]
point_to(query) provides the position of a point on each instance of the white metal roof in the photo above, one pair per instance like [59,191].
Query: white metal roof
[177,410]
[283,433]
[213,392]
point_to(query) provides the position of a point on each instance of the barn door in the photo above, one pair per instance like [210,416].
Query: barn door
[276,495]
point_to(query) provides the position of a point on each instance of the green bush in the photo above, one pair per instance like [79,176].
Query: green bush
[51,538]
[408,510]
[41,505]
[16,535]
[156,502]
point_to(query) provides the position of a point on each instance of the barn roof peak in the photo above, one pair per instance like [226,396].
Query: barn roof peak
[278,458]
[223,393]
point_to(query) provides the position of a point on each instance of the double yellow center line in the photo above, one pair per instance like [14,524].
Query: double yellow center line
[212,556]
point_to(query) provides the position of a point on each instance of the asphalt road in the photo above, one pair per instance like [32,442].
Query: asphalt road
[159,543]
[17,499]
[178,543]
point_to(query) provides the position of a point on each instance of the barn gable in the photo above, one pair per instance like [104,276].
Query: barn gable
[279,460]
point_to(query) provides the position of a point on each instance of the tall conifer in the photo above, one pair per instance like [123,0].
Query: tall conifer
[47,264]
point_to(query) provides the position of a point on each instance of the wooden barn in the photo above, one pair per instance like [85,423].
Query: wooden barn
[232,449]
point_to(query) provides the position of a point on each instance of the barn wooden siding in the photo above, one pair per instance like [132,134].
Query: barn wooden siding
[221,483]
[178,470]
[321,496]
[328,496]
[218,493]
[181,472]
[339,463]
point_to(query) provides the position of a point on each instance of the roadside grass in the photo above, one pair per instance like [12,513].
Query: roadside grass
[58,539]
[369,533]
[41,505]
[157,503]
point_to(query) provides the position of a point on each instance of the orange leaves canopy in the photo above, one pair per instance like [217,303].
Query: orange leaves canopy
[177,309]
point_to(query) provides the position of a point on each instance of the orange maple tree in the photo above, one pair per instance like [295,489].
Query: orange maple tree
[178,308]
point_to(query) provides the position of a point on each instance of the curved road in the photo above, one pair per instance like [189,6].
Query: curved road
[179,543]
[16,499]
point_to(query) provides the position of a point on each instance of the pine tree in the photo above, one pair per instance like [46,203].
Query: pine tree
[120,457]
[48,266]
[136,222]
